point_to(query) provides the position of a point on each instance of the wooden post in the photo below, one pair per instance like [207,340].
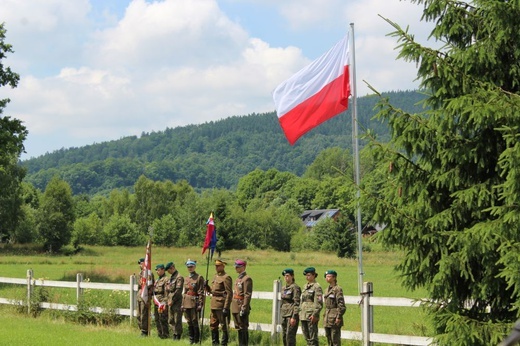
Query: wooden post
[368,316]
[276,311]
[79,290]
[133,298]
[29,289]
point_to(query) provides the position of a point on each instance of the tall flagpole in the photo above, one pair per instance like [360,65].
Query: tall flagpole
[355,143]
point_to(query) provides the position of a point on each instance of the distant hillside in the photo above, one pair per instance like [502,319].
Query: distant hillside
[214,154]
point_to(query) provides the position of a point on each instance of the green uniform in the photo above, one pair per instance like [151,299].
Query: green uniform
[161,306]
[333,317]
[174,289]
[143,308]
[311,305]
[221,290]
[290,309]
[192,302]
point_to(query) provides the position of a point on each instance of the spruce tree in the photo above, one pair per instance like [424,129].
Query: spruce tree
[450,187]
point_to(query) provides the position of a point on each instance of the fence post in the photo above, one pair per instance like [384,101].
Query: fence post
[368,316]
[79,290]
[132,297]
[29,289]
[276,311]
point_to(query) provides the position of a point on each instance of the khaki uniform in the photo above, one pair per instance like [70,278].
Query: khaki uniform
[221,290]
[192,301]
[289,309]
[143,308]
[334,310]
[311,305]
[174,289]
[240,306]
[161,312]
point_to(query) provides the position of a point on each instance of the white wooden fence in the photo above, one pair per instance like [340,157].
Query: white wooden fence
[366,299]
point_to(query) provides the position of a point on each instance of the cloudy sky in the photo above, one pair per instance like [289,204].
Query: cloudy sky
[98,70]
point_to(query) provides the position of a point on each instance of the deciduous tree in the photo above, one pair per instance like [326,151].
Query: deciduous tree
[12,135]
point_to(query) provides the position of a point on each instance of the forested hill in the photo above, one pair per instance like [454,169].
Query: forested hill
[214,154]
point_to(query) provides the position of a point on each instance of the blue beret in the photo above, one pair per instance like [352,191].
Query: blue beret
[190,263]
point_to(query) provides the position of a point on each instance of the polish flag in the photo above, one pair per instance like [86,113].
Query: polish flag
[314,94]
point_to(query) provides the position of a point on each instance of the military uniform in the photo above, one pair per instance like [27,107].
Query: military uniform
[161,304]
[310,306]
[192,301]
[143,307]
[240,305]
[334,310]
[174,289]
[289,309]
[221,290]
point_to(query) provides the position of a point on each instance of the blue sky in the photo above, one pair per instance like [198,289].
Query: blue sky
[99,70]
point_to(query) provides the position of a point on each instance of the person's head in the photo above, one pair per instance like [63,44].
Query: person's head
[310,274]
[191,265]
[170,267]
[288,275]
[330,276]
[141,262]
[240,265]
[219,265]
[159,269]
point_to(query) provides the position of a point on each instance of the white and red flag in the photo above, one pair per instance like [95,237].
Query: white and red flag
[314,94]
[147,273]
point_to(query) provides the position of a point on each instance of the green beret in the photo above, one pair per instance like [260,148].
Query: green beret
[159,266]
[169,265]
[288,271]
[141,260]
[331,272]
[309,270]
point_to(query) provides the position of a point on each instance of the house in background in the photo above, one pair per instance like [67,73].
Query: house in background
[311,217]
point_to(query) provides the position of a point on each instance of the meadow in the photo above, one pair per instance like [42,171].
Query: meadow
[117,264]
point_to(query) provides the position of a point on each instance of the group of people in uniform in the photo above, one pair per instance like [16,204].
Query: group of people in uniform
[305,305]
[176,296]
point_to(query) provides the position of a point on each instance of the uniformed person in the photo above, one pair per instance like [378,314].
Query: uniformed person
[192,300]
[221,290]
[174,289]
[241,303]
[143,307]
[161,302]
[289,309]
[334,309]
[310,306]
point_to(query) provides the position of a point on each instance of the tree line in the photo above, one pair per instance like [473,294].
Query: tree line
[263,213]
[211,155]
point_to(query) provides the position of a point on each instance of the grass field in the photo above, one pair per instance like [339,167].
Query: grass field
[116,264]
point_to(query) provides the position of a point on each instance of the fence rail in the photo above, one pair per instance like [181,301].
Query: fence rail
[366,336]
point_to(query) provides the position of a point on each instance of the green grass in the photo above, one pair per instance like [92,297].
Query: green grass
[117,264]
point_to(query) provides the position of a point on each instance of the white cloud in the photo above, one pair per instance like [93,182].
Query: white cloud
[89,75]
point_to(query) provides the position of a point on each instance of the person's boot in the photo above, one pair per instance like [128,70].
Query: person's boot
[214,337]
[196,334]
[225,337]
[246,337]
[191,333]
[243,337]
